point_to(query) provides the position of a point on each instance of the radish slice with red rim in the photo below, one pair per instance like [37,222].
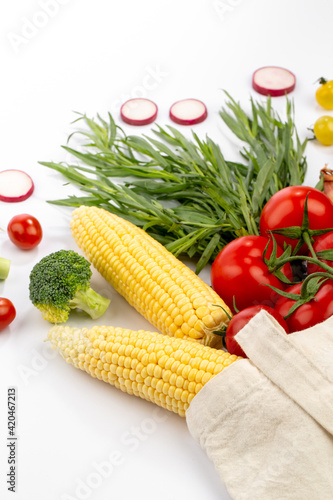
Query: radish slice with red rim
[138,111]
[273,81]
[15,185]
[188,112]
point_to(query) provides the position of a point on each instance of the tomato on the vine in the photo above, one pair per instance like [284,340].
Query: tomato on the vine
[324,242]
[7,312]
[324,94]
[25,231]
[323,130]
[286,209]
[240,319]
[309,314]
[240,273]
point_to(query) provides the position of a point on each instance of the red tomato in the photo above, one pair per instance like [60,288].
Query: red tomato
[239,271]
[240,319]
[286,207]
[324,242]
[25,231]
[7,312]
[311,313]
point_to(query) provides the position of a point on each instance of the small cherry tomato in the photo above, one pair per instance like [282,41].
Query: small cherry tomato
[309,314]
[324,94]
[323,130]
[25,231]
[240,319]
[7,312]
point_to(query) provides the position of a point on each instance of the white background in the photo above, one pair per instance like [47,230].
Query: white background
[60,57]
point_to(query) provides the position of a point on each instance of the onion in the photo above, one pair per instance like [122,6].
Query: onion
[328,182]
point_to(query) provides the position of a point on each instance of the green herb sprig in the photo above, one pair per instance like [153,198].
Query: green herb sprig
[182,191]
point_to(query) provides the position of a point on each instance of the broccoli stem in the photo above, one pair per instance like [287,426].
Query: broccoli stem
[4,268]
[90,301]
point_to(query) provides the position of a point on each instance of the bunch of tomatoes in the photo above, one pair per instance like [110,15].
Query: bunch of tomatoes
[323,128]
[26,233]
[295,227]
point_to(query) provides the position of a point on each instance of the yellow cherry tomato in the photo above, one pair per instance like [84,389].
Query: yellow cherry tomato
[324,94]
[323,130]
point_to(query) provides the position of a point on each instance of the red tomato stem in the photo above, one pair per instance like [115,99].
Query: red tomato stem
[310,287]
[313,260]
[307,239]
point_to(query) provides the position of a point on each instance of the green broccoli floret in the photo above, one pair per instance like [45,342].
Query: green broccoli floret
[60,282]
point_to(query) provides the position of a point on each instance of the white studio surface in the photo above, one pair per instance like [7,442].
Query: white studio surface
[79,438]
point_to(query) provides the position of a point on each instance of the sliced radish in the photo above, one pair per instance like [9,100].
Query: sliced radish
[273,81]
[15,185]
[138,111]
[188,112]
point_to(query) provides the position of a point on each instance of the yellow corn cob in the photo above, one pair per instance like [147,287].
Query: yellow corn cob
[155,367]
[165,291]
